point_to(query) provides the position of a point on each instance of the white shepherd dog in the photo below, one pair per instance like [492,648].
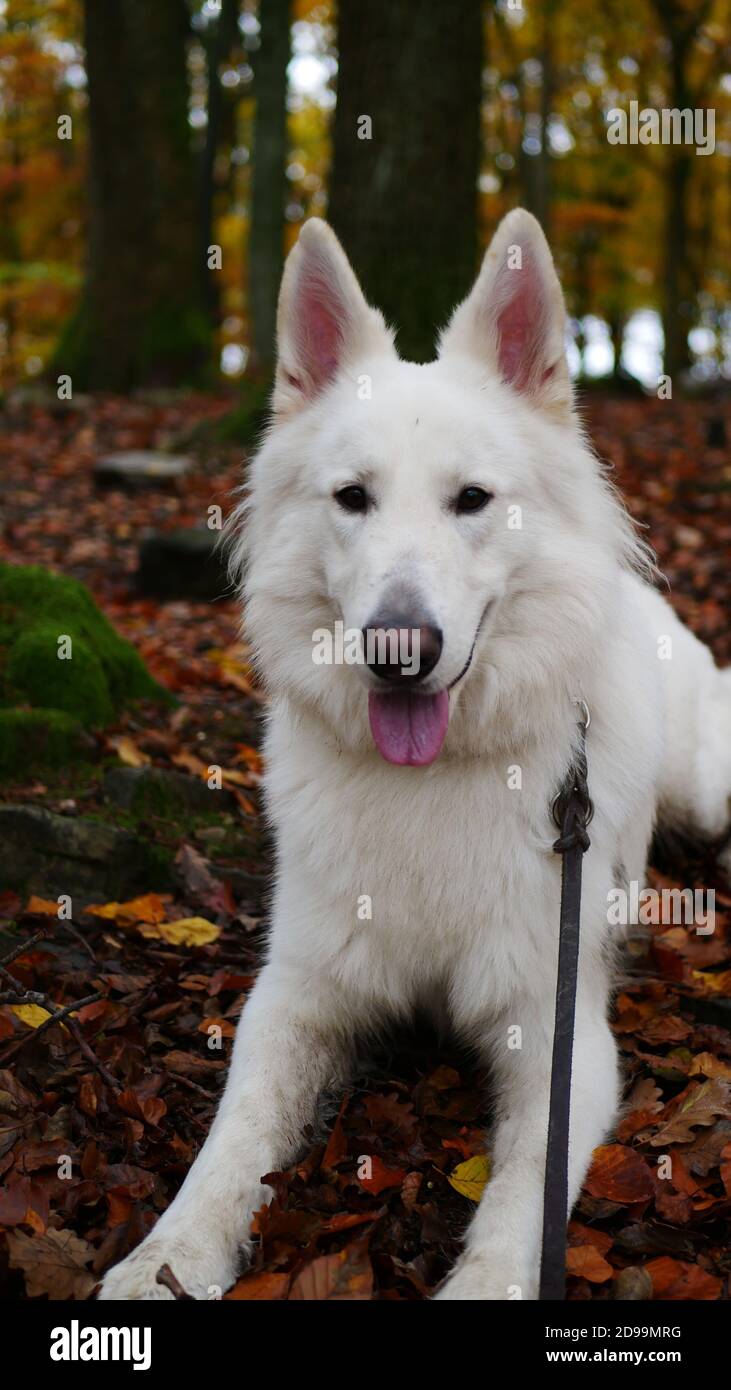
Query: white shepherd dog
[459,500]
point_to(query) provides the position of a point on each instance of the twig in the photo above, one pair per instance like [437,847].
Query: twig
[192,1085]
[166,1277]
[24,946]
[18,995]
[57,1015]
[91,1056]
[81,940]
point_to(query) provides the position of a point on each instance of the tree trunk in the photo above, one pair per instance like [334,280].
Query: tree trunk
[143,321]
[544,189]
[680,288]
[266,236]
[218,47]
[403,192]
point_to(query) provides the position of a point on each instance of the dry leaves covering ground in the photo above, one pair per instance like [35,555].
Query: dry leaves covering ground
[101,1113]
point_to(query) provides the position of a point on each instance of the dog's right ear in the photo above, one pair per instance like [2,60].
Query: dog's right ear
[323,320]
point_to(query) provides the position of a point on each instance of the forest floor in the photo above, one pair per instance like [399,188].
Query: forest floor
[101,1116]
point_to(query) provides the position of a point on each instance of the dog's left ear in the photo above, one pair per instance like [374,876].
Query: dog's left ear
[514,319]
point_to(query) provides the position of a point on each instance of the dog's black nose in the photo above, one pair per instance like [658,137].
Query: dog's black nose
[400,648]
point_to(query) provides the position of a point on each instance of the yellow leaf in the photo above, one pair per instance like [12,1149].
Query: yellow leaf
[188,931]
[32,1014]
[128,752]
[471,1177]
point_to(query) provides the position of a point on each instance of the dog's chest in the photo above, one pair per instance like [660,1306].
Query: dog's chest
[416,881]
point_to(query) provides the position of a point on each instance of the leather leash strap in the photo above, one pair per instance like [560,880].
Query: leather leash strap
[572,812]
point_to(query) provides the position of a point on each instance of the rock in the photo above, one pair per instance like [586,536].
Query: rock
[163,792]
[185,564]
[44,853]
[140,468]
[59,654]
[633,1284]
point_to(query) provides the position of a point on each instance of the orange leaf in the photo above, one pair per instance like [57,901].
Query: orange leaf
[381,1177]
[260,1285]
[347,1275]
[40,907]
[585,1261]
[675,1279]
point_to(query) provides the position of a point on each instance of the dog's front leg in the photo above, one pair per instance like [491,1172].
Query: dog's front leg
[291,1044]
[501,1259]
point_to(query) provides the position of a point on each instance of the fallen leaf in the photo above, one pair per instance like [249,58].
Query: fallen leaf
[127,751]
[381,1177]
[32,1014]
[347,1275]
[53,1264]
[705,1064]
[260,1285]
[619,1174]
[470,1178]
[40,907]
[187,931]
[586,1262]
[700,1105]
[678,1280]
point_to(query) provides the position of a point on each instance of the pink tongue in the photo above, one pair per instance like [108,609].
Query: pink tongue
[408,729]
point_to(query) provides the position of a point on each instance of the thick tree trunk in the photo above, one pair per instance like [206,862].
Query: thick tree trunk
[266,236]
[143,321]
[403,193]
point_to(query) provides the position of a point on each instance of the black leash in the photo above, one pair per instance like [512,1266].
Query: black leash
[572,812]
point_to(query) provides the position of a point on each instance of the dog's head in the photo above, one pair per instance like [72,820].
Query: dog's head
[444,524]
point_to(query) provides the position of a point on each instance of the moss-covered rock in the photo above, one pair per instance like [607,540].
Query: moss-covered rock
[31,739]
[61,657]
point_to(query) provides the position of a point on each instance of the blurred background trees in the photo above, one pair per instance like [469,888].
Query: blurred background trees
[157,159]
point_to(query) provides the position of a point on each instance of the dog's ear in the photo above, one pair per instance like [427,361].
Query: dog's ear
[323,320]
[514,319]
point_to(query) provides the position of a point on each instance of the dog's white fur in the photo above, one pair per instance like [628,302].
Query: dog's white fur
[459,867]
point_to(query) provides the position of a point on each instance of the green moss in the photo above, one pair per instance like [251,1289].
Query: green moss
[31,739]
[76,684]
[90,675]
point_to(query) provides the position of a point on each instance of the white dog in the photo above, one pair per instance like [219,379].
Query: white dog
[458,500]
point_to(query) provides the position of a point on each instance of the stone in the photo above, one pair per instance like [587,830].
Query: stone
[45,853]
[164,792]
[188,563]
[140,468]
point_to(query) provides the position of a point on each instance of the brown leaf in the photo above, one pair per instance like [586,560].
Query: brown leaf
[619,1174]
[700,1105]
[53,1264]
[347,1275]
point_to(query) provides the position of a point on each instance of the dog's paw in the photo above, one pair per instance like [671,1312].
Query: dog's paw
[202,1274]
[481,1278]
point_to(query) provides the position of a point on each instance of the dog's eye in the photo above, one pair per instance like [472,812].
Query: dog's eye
[352,499]
[472,499]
